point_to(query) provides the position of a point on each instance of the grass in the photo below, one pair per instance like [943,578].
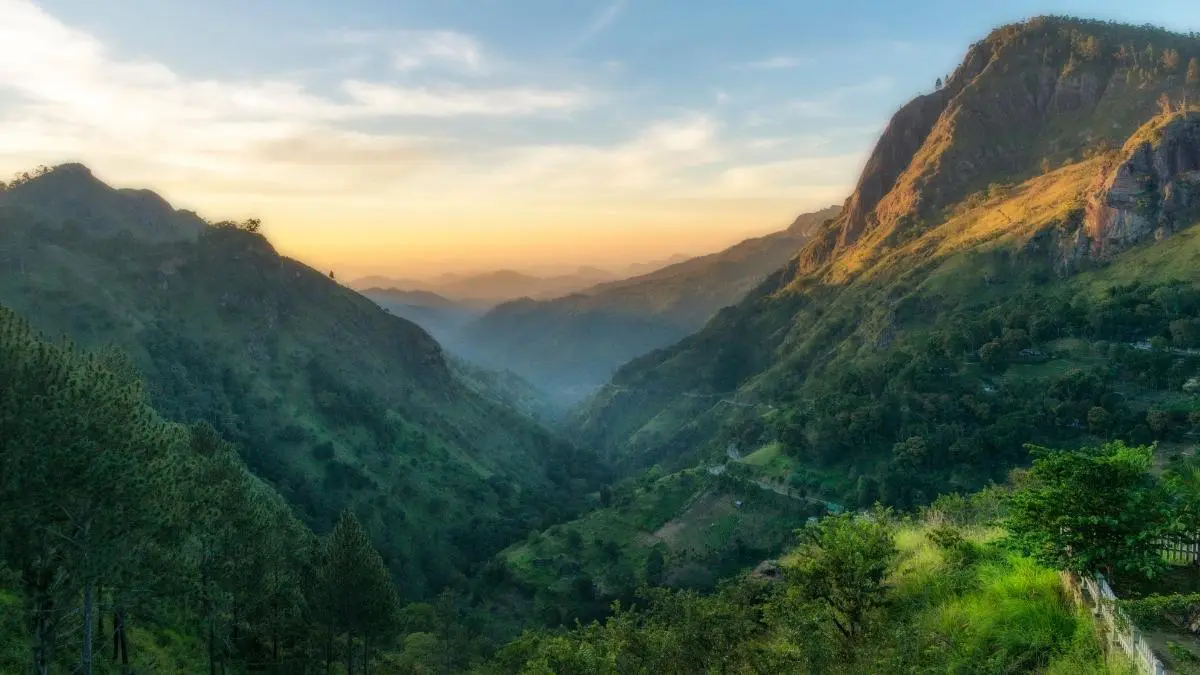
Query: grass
[764,455]
[1001,613]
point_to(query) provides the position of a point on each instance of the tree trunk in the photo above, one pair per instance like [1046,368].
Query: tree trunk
[349,653]
[100,619]
[85,656]
[212,648]
[120,635]
[37,583]
[42,642]
[329,650]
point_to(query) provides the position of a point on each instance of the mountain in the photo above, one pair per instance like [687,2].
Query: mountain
[573,344]
[489,288]
[442,317]
[1016,265]
[71,195]
[330,399]
[882,351]
[638,269]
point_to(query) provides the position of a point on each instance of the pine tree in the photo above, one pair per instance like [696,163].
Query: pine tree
[358,596]
[80,452]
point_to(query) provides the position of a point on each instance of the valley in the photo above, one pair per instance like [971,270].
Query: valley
[877,440]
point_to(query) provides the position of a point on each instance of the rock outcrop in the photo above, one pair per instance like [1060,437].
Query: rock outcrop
[1153,192]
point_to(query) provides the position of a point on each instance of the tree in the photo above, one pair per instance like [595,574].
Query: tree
[938,84]
[331,276]
[842,564]
[1098,420]
[655,563]
[1170,60]
[360,600]
[81,459]
[1093,509]
[1193,71]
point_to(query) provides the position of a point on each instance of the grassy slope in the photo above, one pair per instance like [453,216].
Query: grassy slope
[331,399]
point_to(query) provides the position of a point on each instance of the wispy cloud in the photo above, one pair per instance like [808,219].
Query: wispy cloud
[412,50]
[651,160]
[601,22]
[776,63]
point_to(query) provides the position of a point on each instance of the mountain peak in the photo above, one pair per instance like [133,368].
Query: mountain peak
[1029,96]
[72,193]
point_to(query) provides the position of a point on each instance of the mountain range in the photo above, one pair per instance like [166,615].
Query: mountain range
[1015,265]
[573,344]
[330,399]
[488,288]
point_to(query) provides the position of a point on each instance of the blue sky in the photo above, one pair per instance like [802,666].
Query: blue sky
[416,137]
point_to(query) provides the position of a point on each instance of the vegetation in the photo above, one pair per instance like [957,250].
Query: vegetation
[109,509]
[305,481]
[326,397]
[933,612]
[1096,509]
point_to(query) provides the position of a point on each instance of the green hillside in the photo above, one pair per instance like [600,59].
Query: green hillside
[913,349]
[329,398]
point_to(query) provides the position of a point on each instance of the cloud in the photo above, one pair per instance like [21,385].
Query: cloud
[413,50]
[448,47]
[776,63]
[653,160]
[601,22]
[384,100]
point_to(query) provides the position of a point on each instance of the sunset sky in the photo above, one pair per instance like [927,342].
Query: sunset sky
[408,137]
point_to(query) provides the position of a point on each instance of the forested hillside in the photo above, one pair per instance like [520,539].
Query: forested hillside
[331,400]
[1015,264]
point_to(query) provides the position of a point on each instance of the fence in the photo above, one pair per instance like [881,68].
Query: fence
[1117,630]
[1181,552]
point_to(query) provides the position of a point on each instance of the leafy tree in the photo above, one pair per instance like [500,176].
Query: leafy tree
[1193,71]
[842,565]
[1093,509]
[655,563]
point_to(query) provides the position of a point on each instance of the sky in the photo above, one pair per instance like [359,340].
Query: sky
[411,137]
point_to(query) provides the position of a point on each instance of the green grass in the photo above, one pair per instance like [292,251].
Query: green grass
[764,455]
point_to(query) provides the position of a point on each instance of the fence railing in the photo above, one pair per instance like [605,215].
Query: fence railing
[1094,593]
[1180,552]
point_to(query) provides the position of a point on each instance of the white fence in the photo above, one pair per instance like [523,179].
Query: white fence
[1116,629]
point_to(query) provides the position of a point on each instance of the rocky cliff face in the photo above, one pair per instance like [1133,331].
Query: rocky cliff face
[905,135]
[1047,90]
[1154,191]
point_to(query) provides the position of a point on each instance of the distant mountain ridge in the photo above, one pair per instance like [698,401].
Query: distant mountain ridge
[574,343]
[492,287]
